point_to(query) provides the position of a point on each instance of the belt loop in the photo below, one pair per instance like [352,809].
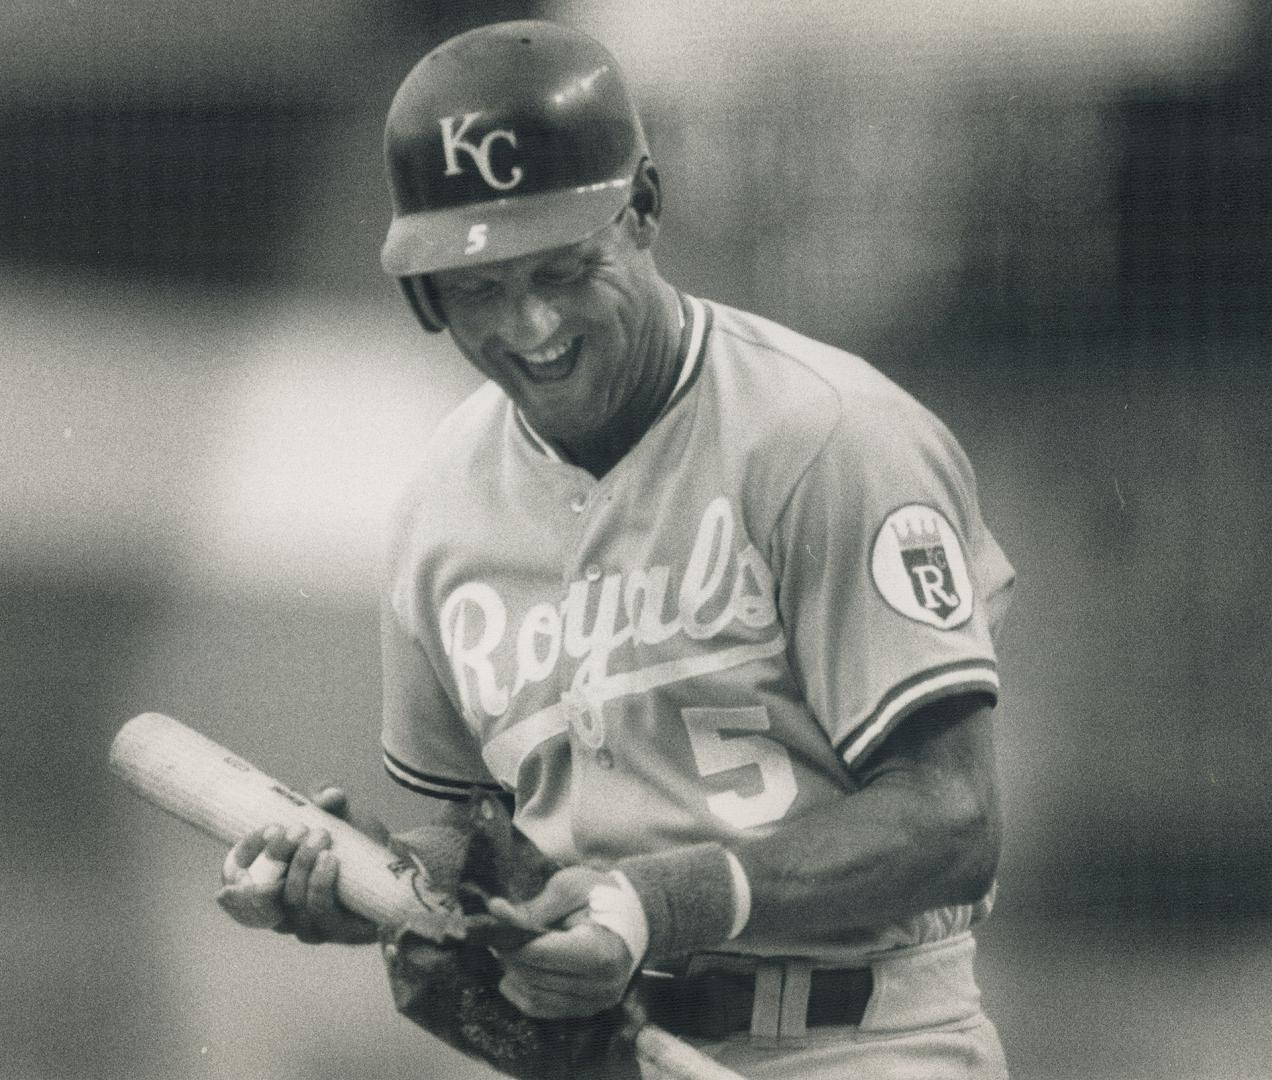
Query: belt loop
[796,983]
[766,1010]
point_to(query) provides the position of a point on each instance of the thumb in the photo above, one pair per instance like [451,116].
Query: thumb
[565,893]
[252,905]
[334,801]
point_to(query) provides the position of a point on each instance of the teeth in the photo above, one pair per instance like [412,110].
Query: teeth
[546,356]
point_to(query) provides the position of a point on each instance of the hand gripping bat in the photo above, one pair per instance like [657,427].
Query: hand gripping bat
[202,783]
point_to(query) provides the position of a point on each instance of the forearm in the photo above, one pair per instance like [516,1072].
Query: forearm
[922,831]
[888,852]
[891,851]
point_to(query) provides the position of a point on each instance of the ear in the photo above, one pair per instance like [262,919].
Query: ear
[646,203]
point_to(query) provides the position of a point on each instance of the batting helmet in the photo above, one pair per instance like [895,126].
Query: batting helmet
[508,139]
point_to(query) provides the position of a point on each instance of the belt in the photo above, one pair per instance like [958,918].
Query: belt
[773,1000]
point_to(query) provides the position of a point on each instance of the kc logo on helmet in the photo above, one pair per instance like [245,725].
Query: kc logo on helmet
[454,140]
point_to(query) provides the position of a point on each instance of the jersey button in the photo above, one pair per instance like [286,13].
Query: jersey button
[592,573]
[578,504]
[573,706]
[586,718]
[604,758]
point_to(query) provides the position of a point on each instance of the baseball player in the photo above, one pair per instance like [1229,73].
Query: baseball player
[710,604]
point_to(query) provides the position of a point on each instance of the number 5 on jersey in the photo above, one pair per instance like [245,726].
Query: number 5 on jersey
[716,753]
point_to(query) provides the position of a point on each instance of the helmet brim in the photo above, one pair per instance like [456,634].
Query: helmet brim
[433,240]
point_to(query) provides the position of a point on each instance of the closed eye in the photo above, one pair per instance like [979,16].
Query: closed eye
[558,277]
[469,288]
[566,273]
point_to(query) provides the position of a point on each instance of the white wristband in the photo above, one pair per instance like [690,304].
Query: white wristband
[617,907]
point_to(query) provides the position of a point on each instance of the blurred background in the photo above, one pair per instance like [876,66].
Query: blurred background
[1048,219]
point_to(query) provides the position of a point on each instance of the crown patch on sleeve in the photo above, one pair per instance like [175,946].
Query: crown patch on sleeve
[919,568]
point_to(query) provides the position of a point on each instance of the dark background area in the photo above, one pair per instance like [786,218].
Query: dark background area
[1054,230]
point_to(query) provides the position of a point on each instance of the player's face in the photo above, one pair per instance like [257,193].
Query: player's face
[572,335]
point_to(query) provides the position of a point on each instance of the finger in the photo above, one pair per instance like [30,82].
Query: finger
[334,801]
[565,893]
[252,905]
[549,982]
[301,863]
[272,863]
[300,889]
[321,898]
[587,951]
[283,842]
[547,1006]
[265,870]
[576,918]
[338,922]
[512,913]
[244,853]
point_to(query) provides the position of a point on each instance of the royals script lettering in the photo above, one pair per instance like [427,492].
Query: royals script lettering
[725,582]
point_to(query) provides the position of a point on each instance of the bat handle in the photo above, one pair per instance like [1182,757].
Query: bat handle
[676,1060]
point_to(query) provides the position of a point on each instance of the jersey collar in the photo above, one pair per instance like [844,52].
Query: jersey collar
[694,323]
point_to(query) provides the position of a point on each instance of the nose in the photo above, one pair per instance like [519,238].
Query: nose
[527,321]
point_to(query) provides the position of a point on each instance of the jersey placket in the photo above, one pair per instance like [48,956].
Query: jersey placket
[590,608]
[593,569]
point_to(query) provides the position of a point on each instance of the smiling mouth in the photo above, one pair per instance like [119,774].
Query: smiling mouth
[550,365]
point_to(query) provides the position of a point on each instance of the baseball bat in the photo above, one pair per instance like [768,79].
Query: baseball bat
[203,784]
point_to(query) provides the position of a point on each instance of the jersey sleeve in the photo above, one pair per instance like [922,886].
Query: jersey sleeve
[427,745]
[889,583]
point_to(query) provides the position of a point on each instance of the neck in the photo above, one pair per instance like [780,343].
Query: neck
[602,450]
